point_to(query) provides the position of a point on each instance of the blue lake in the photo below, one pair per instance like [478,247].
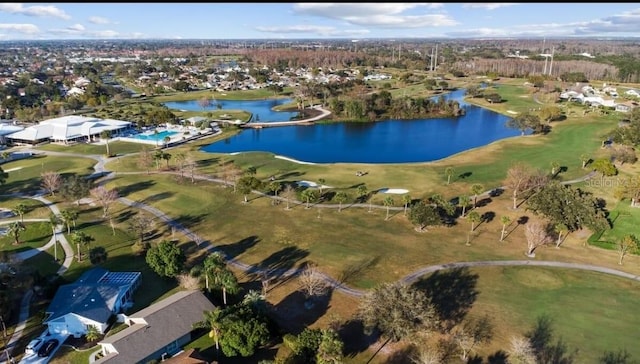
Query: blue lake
[261,110]
[388,141]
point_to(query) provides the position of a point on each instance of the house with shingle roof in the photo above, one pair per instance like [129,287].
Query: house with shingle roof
[91,301]
[158,331]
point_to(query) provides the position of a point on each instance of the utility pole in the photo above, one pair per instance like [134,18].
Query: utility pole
[551,65]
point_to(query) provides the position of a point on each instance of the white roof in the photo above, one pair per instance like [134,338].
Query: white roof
[8,129]
[68,127]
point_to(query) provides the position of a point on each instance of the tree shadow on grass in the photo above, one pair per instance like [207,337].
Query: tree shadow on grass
[233,250]
[293,315]
[123,216]
[452,292]
[157,197]
[352,272]
[356,338]
[125,191]
[275,267]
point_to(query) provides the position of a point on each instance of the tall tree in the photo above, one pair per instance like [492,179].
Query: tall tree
[289,194]
[69,217]
[104,197]
[463,201]
[521,179]
[247,184]
[476,189]
[20,209]
[341,197]
[628,244]
[275,187]
[398,311]
[15,229]
[584,159]
[166,259]
[471,334]
[537,234]
[106,135]
[80,238]
[388,202]
[3,176]
[449,173]
[505,220]
[330,349]
[423,214]
[406,200]
[145,159]
[309,195]
[51,181]
[605,167]
[312,281]
[139,225]
[75,187]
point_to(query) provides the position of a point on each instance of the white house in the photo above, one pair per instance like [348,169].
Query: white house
[68,129]
[91,301]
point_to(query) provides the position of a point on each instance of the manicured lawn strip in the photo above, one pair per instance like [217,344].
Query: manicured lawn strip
[27,179]
[36,209]
[335,240]
[44,262]
[592,312]
[36,235]
[625,224]
[115,147]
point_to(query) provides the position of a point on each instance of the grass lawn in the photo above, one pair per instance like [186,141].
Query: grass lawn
[36,235]
[115,147]
[626,223]
[363,249]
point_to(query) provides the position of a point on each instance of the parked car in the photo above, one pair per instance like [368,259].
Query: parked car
[33,346]
[48,347]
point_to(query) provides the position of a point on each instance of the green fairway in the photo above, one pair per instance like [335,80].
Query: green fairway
[592,312]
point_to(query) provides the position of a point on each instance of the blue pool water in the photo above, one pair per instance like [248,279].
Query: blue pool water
[157,137]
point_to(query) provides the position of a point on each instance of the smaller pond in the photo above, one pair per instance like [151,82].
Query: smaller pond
[261,110]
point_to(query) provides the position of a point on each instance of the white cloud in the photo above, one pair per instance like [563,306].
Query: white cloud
[99,20]
[487,6]
[384,15]
[20,28]
[313,29]
[76,27]
[36,10]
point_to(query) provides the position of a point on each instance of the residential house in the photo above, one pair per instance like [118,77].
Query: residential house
[91,301]
[626,106]
[158,331]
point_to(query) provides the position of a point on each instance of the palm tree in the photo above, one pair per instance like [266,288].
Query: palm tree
[212,263]
[81,238]
[476,189]
[213,322]
[15,228]
[341,197]
[406,200]
[505,220]
[320,185]
[228,282]
[475,218]
[20,209]
[69,217]
[309,195]
[92,333]
[388,202]
[54,221]
[362,191]
[464,201]
[274,186]
[449,172]
[105,134]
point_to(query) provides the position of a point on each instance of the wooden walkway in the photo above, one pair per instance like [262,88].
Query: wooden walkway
[308,121]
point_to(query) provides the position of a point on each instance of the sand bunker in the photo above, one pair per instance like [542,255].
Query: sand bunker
[395,191]
[311,184]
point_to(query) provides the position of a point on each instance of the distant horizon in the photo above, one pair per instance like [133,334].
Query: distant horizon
[262,21]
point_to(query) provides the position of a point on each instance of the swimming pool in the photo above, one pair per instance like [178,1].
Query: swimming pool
[157,137]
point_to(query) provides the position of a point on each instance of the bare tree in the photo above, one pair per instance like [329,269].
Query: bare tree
[139,225]
[522,178]
[145,159]
[627,244]
[312,281]
[51,181]
[428,356]
[472,334]
[288,194]
[104,197]
[521,351]
[537,234]
[187,281]
[191,164]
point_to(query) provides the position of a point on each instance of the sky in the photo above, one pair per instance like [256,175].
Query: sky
[34,21]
